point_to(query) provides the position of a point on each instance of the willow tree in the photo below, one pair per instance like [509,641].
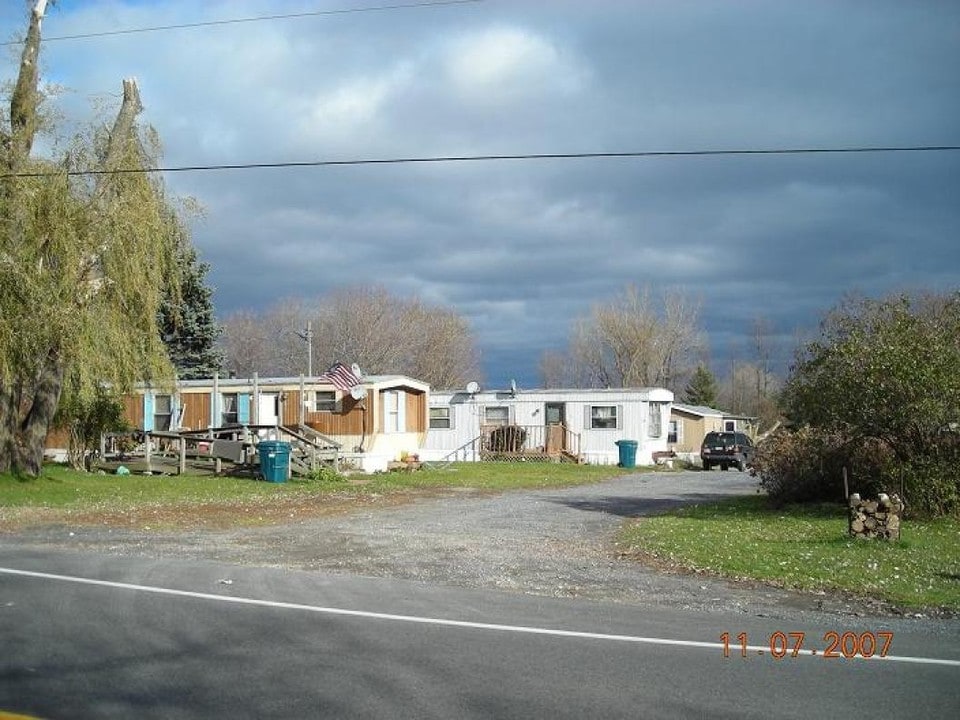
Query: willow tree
[87,244]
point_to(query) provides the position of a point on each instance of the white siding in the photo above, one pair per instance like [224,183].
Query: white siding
[597,446]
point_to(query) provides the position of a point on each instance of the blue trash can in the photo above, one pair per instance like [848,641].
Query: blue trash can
[274,460]
[628,453]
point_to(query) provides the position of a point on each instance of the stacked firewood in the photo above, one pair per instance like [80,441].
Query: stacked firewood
[878,518]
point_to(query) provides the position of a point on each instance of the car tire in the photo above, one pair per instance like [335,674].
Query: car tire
[706,466]
[741,466]
[724,466]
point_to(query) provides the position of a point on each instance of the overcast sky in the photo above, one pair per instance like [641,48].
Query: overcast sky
[521,247]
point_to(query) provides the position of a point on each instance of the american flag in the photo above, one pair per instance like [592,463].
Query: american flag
[341,377]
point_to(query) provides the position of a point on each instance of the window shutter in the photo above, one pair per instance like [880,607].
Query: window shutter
[619,417]
[243,408]
[586,417]
[174,412]
[148,410]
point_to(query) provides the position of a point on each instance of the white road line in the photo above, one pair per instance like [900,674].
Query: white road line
[734,650]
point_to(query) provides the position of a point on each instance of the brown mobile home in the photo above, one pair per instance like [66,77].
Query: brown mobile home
[387,418]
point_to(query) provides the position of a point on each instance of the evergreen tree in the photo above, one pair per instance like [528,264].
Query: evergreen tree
[702,388]
[186,319]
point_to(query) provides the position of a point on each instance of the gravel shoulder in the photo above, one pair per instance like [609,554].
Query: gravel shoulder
[555,542]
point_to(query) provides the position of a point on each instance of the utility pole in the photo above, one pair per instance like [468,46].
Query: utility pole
[307,337]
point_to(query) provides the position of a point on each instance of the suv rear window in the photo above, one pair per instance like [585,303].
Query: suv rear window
[725,439]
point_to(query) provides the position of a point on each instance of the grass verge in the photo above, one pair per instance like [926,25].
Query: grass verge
[805,548]
[63,489]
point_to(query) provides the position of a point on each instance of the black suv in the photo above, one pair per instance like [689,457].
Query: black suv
[726,449]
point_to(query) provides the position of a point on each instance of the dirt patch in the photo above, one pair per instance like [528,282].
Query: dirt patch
[557,542]
[262,511]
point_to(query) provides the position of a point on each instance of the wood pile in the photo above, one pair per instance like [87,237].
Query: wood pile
[878,518]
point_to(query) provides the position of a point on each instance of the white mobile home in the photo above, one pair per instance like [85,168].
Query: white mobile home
[578,424]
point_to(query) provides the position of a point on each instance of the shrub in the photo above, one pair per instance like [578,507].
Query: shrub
[807,466]
[326,474]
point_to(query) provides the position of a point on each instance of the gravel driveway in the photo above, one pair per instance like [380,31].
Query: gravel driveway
[557,542]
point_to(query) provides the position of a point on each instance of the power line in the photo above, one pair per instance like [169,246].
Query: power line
[488,158]
[258,18]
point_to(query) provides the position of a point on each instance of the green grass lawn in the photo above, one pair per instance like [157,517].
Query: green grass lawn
[60,487]
[806,548]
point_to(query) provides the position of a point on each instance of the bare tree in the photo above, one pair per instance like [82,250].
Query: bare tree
[555,369]
[366,325]
[738,392]
[752,386]
[361,324]
[631,341]
[441,348]
[245,345]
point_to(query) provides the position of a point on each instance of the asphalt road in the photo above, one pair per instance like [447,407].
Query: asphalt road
[88,635]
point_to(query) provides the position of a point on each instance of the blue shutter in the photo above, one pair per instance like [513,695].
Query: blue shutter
[243,408]
[148,410]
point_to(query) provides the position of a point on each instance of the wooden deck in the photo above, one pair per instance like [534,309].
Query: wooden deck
[228,450]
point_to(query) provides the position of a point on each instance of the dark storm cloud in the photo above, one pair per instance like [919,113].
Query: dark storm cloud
[523,248]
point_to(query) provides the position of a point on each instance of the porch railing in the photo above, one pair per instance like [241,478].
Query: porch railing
[510,443]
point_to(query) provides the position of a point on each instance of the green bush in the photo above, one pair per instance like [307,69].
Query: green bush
[881,384]
[932,482]
[326,474]
[807,466]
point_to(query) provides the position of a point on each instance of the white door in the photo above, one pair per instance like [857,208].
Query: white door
[268,409]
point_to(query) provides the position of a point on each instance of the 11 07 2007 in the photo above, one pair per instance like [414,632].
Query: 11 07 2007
[835,644]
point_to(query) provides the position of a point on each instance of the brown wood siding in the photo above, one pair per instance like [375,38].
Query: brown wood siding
[133,410]
[348,421]
[416,411]
[289,407]
[196,414]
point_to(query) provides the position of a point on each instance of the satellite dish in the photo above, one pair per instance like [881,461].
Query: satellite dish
[358,392]
[473,387]
[355,369]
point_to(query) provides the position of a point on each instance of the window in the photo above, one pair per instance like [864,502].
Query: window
[162,412]
[729,425]
[655,426]
[440,418]
[496,415]
[674,431]
[604,417]
[391,412]
[326,401]
[229,415]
